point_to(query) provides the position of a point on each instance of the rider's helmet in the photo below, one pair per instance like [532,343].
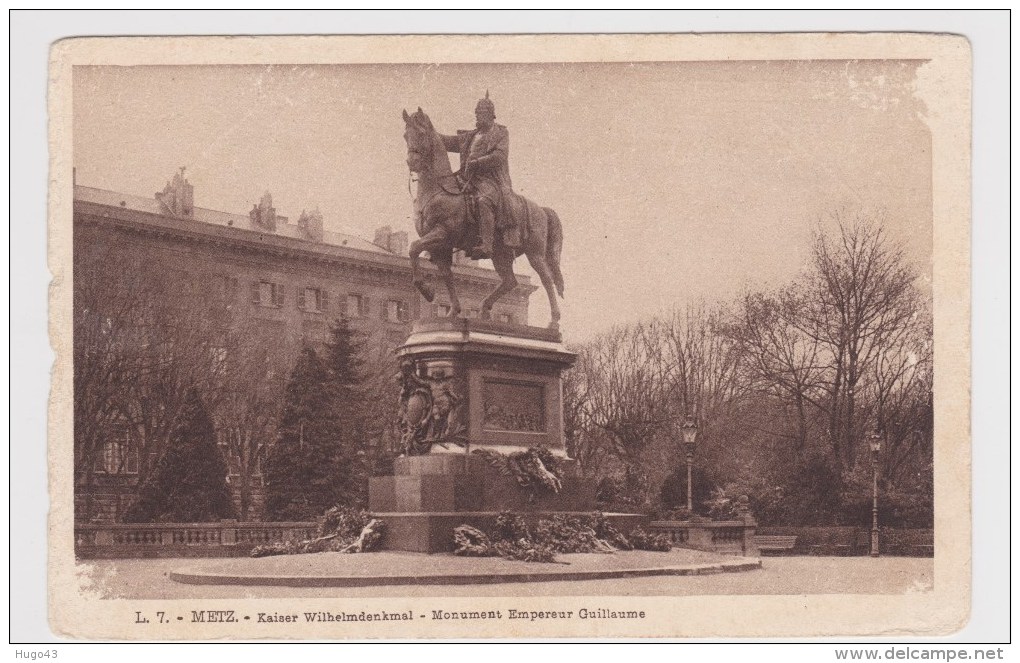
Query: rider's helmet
[486,105]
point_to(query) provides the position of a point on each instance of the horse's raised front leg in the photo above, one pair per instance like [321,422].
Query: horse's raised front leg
[503,261]
[539,264]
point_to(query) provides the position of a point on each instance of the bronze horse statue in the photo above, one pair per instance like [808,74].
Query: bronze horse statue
[441,219]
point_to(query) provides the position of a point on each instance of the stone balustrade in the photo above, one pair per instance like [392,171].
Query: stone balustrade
[727,537]
[226,538]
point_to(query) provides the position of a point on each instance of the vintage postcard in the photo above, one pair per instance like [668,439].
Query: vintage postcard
[433,337]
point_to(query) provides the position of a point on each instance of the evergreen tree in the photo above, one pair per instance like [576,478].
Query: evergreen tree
[189,484]
[343,357]
[345,365]
[318,460]
[299,468]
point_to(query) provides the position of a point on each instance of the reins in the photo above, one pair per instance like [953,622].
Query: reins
[419,206]
[429,157]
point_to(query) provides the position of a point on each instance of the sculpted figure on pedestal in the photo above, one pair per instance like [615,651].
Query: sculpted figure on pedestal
[452,209]
[430,411]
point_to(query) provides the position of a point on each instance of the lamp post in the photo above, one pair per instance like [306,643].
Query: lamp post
[690,436]
[875,443]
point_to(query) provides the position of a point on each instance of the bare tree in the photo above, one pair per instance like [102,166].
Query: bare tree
[900,398]
[781,361]
[248,409]
[624,395]
[138,348]
[178,346]
[700,366]
[858,296]
[103,321]
[784,383]
[585,442]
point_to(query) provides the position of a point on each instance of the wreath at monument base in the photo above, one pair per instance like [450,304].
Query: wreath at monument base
[535,470]
[341,529]
[511,538]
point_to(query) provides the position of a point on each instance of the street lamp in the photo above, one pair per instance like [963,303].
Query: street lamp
[875,443]
[690,436]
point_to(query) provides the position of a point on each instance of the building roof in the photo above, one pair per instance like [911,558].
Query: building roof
[152,212]
[215,217]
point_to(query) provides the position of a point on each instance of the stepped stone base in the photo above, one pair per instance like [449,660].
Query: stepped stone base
[447,482]
[428,496]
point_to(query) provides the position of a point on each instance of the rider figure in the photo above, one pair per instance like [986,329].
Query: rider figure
[484,165]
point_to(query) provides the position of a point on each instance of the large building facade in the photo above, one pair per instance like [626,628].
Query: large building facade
[258,275]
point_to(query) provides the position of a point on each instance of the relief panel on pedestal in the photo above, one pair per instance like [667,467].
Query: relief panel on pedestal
[513,406]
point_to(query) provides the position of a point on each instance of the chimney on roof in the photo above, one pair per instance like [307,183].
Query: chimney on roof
[382,237]
[394,242]
[398,242]
[310,224]
[178,196]
[263,215]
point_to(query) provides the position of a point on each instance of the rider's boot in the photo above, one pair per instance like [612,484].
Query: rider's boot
[487,231]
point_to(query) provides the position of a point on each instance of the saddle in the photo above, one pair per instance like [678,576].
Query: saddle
[512,216]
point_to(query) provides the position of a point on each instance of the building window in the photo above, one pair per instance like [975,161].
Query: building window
[357,306]
[124,504]
[506,318]
[118,455]
[266,293]
[397,311]
[472,313]
[443,310]
[313,300]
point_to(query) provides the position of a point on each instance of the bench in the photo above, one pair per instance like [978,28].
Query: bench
[770,543]
[832,549]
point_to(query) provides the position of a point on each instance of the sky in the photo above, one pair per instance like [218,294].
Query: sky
[676,182]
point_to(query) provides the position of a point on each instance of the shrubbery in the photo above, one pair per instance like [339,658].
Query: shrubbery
[673,492]
[642,540]
[811,493]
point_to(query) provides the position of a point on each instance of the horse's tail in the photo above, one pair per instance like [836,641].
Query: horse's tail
[554,247]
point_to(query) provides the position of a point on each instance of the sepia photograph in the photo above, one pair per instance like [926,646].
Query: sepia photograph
[339,362]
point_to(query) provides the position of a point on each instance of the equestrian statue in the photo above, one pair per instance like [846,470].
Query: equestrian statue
[476,210]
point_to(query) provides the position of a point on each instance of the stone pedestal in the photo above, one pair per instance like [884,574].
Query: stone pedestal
[505,382]
[507,378]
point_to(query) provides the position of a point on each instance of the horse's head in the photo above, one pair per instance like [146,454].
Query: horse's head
[420,138]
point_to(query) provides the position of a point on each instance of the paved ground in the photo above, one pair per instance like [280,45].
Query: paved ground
[401,568]
[137,579]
